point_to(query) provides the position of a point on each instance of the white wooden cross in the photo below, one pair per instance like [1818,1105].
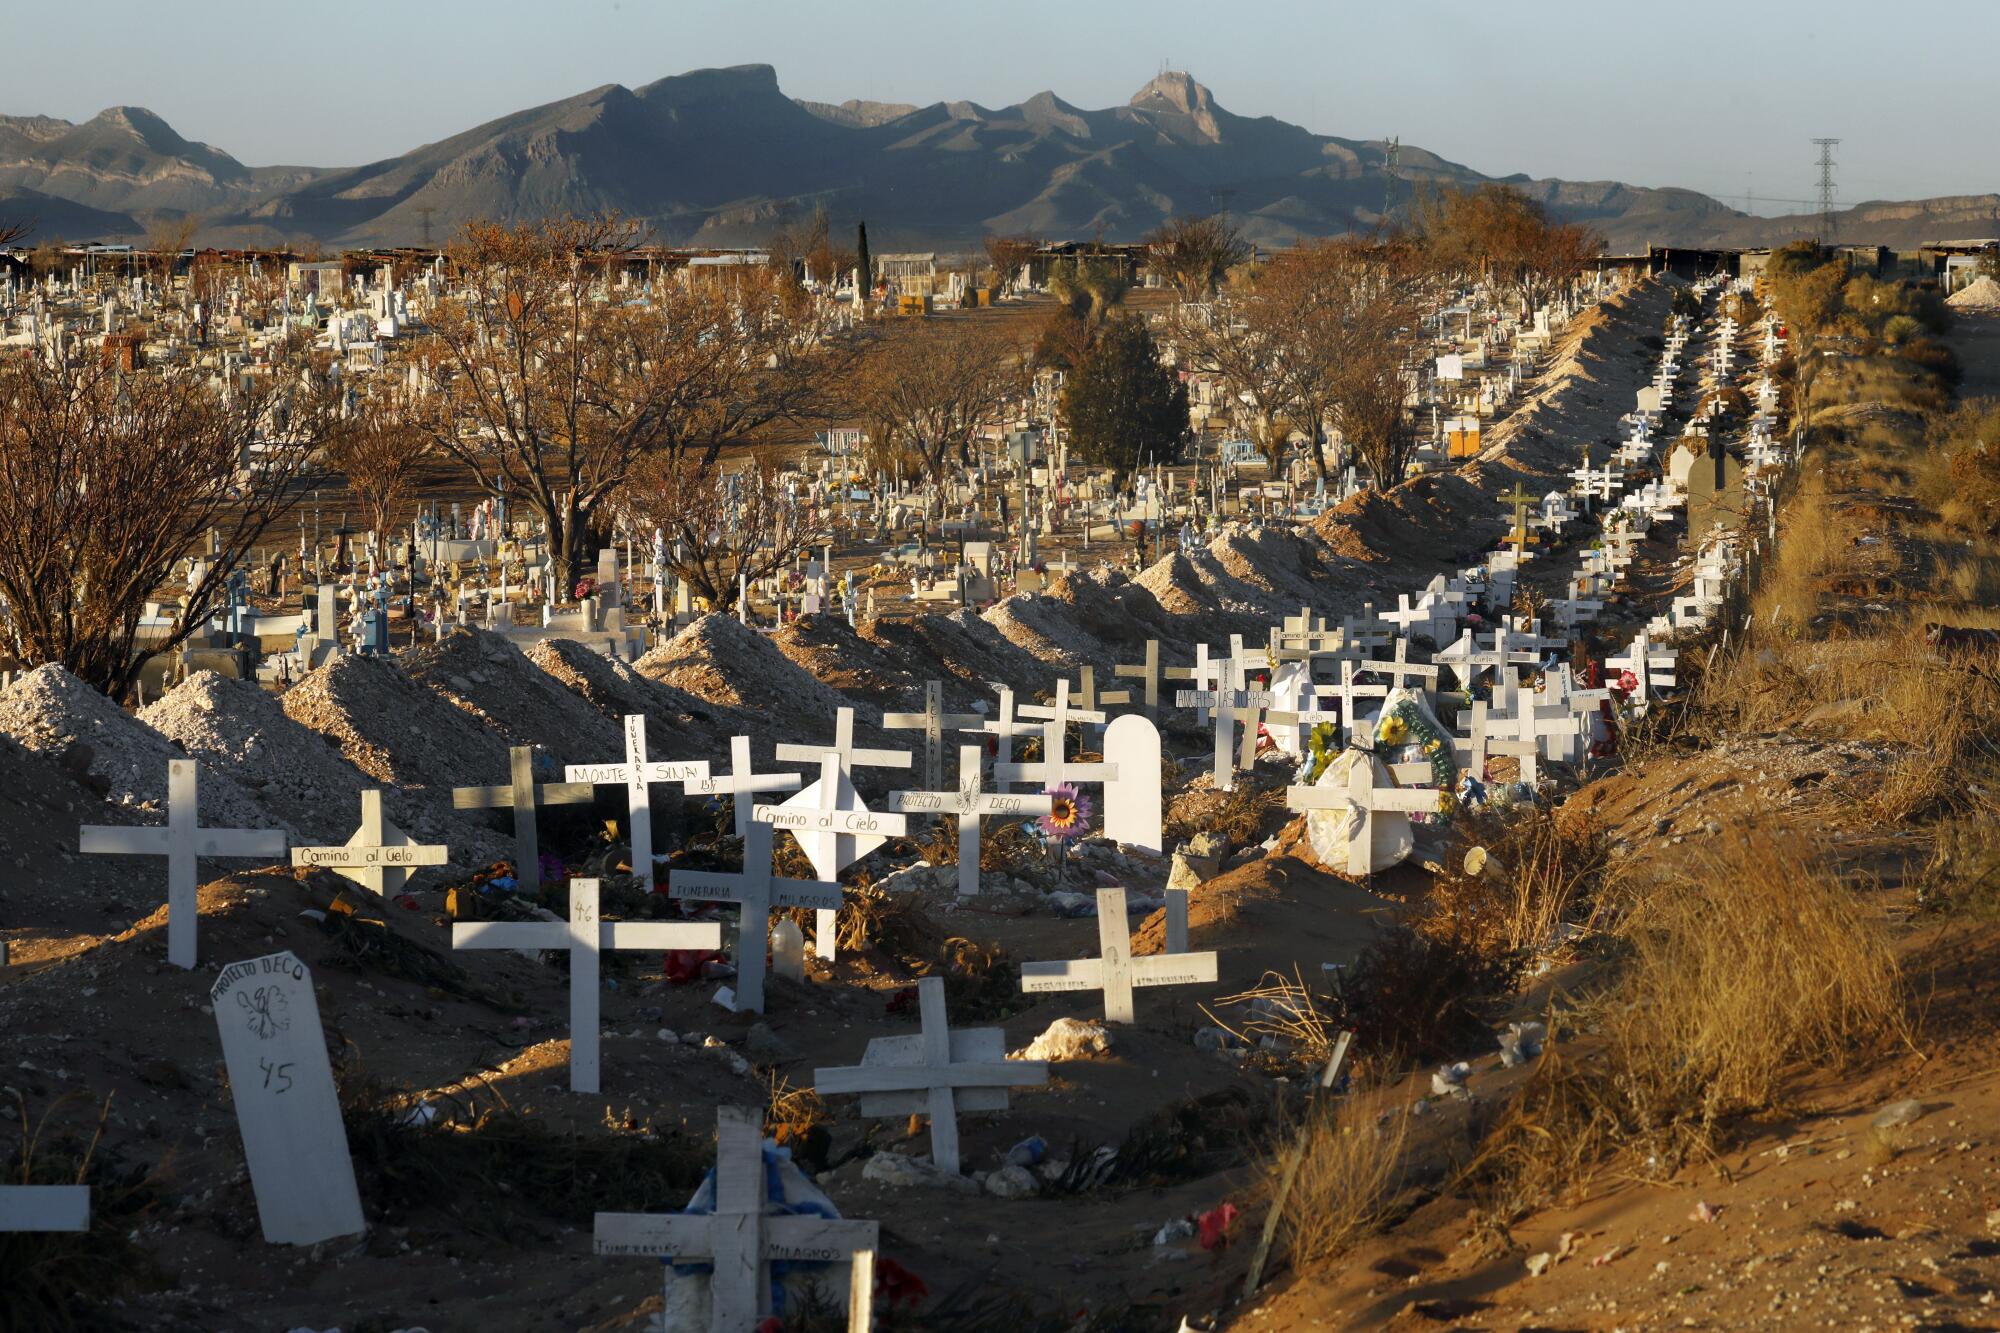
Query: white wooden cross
[1482,742]
[1352,692]
[1362,798]
[834,828]
[758,893]
[586,936]
[378,855]
[934,722]
[968,803]
[1652,668]
[523,794]
[1054,769]
[1204,675]
[741,781]
[741,1239]
[44,1208]
[938,1072]
[1226,707]
[183,842]
[1366,631]
[1401,670]
[1089,697]
[829,820]
[1147,673]
[1114,970]
[1004,728]
[637,775]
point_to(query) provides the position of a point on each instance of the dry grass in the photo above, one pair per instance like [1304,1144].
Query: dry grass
[1283,1009]
[1543,870]
[1750,962]
[1348,1178]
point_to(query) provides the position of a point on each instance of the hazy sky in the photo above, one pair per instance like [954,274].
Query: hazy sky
[1717,95]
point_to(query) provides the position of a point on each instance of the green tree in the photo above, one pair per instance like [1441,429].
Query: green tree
[1121,406]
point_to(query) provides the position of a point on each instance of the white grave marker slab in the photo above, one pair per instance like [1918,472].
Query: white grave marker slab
[286,1106]
[1132,797]
[44,1208]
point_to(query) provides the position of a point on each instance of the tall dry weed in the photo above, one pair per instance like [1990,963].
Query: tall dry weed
[1748,963]
[1347,1180]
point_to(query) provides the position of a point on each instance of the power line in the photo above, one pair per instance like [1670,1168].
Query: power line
[1827,189]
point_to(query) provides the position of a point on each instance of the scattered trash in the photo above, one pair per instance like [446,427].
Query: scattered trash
[1012,1182]
[1521,1042]
[1449,1080]
[1538,1264]
[1897,1114]
[1028,1152]
[1704,1212]
[1180,1228]
[1611,1256]
[1067,1039]
[1214,1226]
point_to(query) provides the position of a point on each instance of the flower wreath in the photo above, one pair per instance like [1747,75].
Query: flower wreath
[1405,724]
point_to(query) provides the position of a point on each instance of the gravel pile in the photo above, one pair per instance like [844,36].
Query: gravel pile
[964,648]
[493,681]
[395,730]
[297,773]
[859,668]
[52,712]
[614,689]
[1980,296]
[719,659]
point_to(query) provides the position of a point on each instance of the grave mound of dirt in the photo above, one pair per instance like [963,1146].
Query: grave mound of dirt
[966,648]
[1178,587]
[827,647]
[491,679]
[614,689]
[297,773]
[719,659]
[393,729]
[50,711]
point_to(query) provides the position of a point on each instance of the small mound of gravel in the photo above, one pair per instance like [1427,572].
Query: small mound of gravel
[52,712]
[492,680]
[614,689]
[236,728]
[719,659]
[395,730]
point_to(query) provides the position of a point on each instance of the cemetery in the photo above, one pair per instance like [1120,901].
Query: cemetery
[1031,893]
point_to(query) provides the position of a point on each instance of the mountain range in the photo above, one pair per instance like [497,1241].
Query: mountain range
[723,157]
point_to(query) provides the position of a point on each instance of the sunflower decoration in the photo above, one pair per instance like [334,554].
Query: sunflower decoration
[1068,816]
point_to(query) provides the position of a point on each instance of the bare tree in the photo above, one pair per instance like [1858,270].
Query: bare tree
[541,383]
[11,232]
[1195,254]
[1008,255]
[720,524]
[931,386]
[107,479]
[166,239]
[381,457]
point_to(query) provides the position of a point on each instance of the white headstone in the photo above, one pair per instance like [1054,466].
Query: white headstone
[286,1105]
[1132,798]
